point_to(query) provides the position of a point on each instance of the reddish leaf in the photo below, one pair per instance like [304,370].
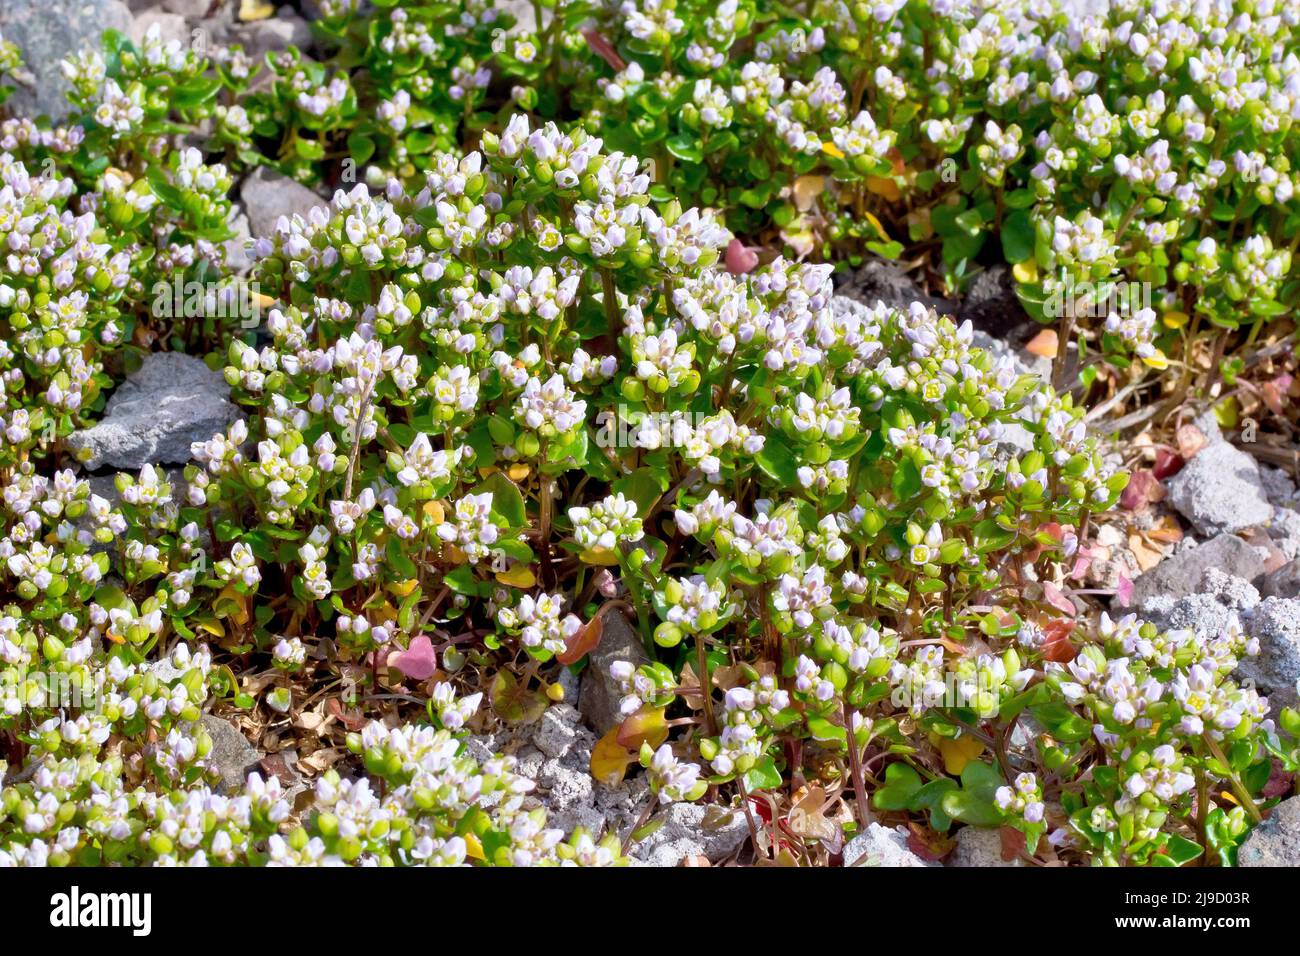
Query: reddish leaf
[1013,843]
[1168,463]
[1057,646]
[1279,782]
[927,844]
[1275,393]
[1124,590]
[1143,489]
[584,642]
[1058,599]
[418,661]
[604,49]
[740,258]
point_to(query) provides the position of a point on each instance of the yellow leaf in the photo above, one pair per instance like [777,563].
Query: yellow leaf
[555,692]
[474,847]
[255,10]
[403,588]
[830,149]
[1026,271]
[601,557]
[884,186]
[239,613]
[1156,361]
[213,627]
[1174,320]
[520,576]
[875,224]
[610,759]
[518,471]
[437,514]
[957,752]
[454,555]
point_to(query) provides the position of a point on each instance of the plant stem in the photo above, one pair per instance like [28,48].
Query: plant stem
[855,768]
[1242,794]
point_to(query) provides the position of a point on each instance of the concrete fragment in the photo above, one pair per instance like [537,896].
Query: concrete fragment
[882,846]
[1220,491]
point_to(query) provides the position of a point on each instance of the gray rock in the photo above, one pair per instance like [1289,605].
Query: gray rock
[1285,532]
[273,34]
[171,26]
[47,31]
[1181,574]
[1276,841]
[599,694]
[1284,582]
[232,756]
[1275,623]
[693,829]
[882,281]
[238,260]
[557,730]
[881,846]
[977,846]
[155,415]
[1220,491]
[192,9]
[267,196]
[1278,485]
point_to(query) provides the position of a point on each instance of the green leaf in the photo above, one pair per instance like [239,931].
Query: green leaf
[901,786]
[763,775]
[1018,237]
[778,461]
[507,501]
[685,148]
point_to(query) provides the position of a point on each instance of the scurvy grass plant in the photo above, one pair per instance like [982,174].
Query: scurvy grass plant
[1150,148]
[830,522]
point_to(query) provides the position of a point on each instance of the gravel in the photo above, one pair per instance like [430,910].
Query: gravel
[979,847]
[1220,491]
[268,195]
[153,417]
[1276,841]
[232,756]
[1181,574]
[881,846]
[599,695]
[1276,624]
[692,829]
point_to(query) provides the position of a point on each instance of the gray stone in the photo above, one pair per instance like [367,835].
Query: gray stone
[1277,485]
[1181,574]
[882,281]
[267,195]
[693,829]
[1276,841]
[1275,623]
[882,846]
[977,846]
[273,34]
[192,9]
[156,414]
[1220,491]
[1285,532]
[232,756]
[599,695]
[238,260]
[557,730]
[47,31]
[171,26]
[1284,582]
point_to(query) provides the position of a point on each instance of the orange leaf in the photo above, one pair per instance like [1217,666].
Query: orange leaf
[584,642]
[1044,344]
[646,725]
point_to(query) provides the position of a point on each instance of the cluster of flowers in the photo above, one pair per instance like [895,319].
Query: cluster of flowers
[1163,154]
